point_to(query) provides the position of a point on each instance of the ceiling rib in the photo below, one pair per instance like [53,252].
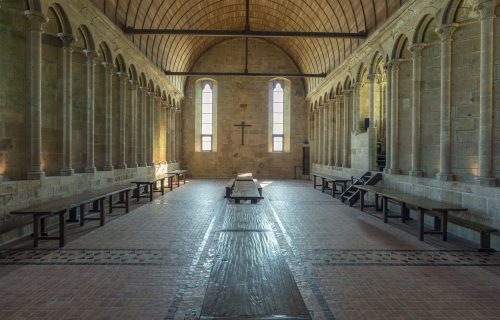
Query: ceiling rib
[246,74]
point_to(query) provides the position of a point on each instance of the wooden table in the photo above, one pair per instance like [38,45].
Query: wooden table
[325,179]
[245,190]
[419,203]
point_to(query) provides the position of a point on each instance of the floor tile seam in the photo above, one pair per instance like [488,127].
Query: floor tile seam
[306,273]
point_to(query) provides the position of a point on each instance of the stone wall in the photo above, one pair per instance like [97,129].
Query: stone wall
[63,19]
[244,99]
[421,153]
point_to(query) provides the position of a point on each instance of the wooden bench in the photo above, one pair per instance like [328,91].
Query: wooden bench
[149,186]
[60,206]
[169,177]
[439,210]
[245,190]
[259,187]
[180,175]
[326,179]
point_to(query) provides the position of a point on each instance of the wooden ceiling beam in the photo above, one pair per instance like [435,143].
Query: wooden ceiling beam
[246,74]
[245,33]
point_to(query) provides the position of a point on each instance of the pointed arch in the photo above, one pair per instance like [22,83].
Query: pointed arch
[63,21]
[105,53]
[120,64]
[87,38]
[400,44]
[132,73]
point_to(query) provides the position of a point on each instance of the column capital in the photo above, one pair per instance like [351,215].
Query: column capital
[416,49]
[108,67]
[485,8]
[37,19]
[67,40]
[157,98]
[133,84]
[372,77]
[446,31]
[394,64]
[150,94]
[91,54]
[122,75]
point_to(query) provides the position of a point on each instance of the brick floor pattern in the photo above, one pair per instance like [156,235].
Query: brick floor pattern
[155,262]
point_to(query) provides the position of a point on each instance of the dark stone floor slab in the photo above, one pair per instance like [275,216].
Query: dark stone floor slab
[250,278]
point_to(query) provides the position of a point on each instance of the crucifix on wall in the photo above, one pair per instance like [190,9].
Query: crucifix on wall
[242,125]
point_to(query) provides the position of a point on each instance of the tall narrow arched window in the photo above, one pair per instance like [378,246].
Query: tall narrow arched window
[278,117]
[280,105]
[206,117]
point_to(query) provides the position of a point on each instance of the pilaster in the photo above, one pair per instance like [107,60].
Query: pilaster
[395,118]
[122,161]
[89,161]
[67,42]
[108,117]
[446,34]
[37,20]
[416,51]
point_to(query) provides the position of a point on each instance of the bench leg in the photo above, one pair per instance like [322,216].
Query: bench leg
[72,215]
[162,185]
[82,214]
[137,192]
[110,203]
[437,224]
[102,211]
[36,230]
[151,191]
[171,183]
[384,208]
[362,200]
[485,242]
[405,213]
[444,226]
[127,201]
[62,230]
[421,224]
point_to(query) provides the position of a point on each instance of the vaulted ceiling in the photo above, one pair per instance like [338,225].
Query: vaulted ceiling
[312,55]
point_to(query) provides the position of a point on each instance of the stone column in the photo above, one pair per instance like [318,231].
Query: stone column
[167,133]
[157,134]
[142,130]
[347,132]
[331,139]
[416,51]
[388,122]
[316,128]
[338,132]
[174,134]
[372,130]
[150,128]
[325,133]
[446,33]
[170,134]
[89,129]
[108,116]
[395,118]
[320,134]
[37,21]
[67,93]
[178,135]
[122,162]
[133,125]
[355,108]
[486,9]
[163,119]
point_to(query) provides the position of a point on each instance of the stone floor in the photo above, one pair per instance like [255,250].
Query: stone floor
[156,261]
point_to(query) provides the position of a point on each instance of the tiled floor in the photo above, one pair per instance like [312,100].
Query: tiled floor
[156,261]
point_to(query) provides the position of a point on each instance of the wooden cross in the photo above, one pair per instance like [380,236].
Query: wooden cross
[242,125]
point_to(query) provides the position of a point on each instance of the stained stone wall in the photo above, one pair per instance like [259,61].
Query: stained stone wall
[16,107]
[419,21]
[244,99]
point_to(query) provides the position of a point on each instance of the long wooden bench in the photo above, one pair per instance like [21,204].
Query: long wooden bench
[149,187]
[439,210]
[180,175]
[327,179]
[60,206]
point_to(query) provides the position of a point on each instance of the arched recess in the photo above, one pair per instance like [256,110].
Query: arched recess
[141,119]
[465,81]
[430,94]
[52,88]
[380,106]
[402,108]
